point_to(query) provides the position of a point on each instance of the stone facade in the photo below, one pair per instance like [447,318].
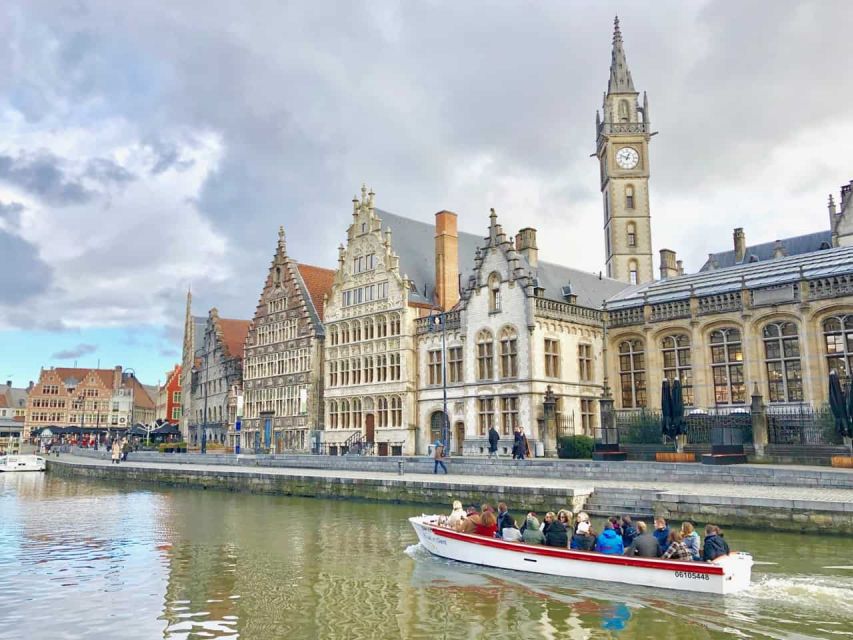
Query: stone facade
[283,368]
[194,328]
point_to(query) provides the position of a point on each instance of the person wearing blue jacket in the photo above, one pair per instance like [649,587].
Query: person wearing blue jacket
[661,534]
[609,542]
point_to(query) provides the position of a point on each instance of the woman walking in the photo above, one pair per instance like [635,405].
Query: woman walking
[116,451]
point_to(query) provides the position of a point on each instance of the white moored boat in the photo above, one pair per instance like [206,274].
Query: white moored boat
[728,574]
[21,463]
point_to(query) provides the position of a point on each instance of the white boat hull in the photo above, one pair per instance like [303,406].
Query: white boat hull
[729,574]
[21,463]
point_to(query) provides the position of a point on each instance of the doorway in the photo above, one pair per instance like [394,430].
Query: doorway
[369,430]
[436,427]
[460,437]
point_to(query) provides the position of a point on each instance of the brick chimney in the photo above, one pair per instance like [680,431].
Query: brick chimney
[446,260]
[117,378]
[525,244]
[668,264]
[740,244]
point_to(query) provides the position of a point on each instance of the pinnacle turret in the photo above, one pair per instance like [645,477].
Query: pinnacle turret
[620,75]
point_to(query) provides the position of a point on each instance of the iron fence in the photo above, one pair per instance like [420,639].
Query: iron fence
[702,426]
[801,425]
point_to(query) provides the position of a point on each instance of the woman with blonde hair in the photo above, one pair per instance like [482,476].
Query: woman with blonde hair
[690,539]
[456,516]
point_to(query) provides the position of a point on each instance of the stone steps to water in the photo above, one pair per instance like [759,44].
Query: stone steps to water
[610,502]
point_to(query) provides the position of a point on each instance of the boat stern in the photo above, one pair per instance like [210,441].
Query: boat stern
[737,571]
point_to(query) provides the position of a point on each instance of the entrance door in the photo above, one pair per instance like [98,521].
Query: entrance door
[267,432]
[369,431]
[460,437]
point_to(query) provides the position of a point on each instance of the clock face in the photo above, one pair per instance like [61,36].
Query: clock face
[627,157]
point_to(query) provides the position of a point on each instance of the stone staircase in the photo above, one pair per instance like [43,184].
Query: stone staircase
[637,503]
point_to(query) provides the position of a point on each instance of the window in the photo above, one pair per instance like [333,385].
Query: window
[382,412]
[381,368]
[344,415]
[782,355]
[356,413]
[394,366]
[676,364]
[355,365]
[838,339]
[585,362]
[632,272]
[394,322]
[485,355]
[333,335]
[396,411]
[454,362]
[632,234]
[344,370]
[176,396]
[552,358]
[434,366]
[333,414]
[727,366]
[494,293]
[381,327]
[588,416]
[509,352]
[632,374]
[623,111]
[629,197]
[333,373]
[356,331]
[368,328]
[485,414]
[344,333]
[368,369]
[509,414]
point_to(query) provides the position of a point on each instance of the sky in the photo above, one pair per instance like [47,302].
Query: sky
[146,148]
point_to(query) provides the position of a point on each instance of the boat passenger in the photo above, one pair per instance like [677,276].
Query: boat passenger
[471,520]
[629,531]
[609,541]
[531,534]
[582,517]
[645,545]
[583,540]
[557,535]
[691,540]
[488,525]
[456,516]
[511,533]
[617,526]
[677,550]
[550,518]
[661,534]
[505,520]
[565,516]
[715,545]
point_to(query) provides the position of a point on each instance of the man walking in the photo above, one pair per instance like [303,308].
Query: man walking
[438,457]
[493,442]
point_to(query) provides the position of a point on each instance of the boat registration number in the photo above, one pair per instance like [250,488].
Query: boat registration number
[692,575]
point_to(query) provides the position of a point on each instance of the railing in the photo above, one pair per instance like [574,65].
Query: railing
[566,311]
[720,303]
[427,324]
[801,425]
[670,310]
[831,287]
[644,426]
[607,128]
[626,317]
[566,425]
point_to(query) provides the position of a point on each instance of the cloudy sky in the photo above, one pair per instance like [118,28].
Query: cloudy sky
[146,147]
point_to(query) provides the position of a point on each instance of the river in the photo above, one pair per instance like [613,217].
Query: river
[89,560]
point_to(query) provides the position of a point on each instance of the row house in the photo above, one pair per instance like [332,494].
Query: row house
[283,365]
[169,397]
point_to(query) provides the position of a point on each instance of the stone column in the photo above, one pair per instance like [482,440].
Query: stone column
[549,433]
[759,422]
[608,419]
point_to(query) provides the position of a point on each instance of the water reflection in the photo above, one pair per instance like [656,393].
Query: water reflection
[87,560]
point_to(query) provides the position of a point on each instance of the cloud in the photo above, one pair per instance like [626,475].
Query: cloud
[75,352]
[107,172]
[24,275]
[41,174]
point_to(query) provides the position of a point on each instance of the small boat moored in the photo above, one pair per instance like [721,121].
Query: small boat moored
[725,575]
[26,462]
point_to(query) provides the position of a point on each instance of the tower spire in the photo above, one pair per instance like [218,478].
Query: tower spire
[620,75]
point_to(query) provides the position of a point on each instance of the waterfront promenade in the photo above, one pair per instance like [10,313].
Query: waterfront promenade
[760,504]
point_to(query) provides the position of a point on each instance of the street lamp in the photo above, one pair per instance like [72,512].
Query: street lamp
[204,426]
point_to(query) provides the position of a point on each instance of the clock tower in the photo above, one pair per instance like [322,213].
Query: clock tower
[622,147]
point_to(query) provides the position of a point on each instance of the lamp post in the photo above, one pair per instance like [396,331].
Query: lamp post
[204,412]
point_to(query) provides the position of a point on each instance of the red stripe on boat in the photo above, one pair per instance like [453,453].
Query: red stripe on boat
[585,556]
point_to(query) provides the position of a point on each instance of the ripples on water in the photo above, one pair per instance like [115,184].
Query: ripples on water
[87,560]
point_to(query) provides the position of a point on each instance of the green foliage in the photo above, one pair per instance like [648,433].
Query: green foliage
[173,447]
[641,428]
[575,446]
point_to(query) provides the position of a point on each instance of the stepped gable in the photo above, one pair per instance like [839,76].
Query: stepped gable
[78,374]
[318,283]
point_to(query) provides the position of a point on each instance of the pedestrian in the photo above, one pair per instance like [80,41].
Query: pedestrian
[438,457]
[116,451]
[493,442]
[125,449]
[520,445]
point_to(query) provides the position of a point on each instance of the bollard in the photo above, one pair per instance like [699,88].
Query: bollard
[399,467]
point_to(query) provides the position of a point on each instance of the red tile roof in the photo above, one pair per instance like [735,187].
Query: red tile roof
[105,375]
[319,282]
[141,398]
[234,334]
[3,400]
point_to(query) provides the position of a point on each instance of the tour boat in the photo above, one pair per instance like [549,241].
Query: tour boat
[21,463]
[725,575]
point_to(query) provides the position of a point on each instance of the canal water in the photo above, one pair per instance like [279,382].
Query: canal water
[88,560]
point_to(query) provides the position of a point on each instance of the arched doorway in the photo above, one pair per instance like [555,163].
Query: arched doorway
[436,427]
[459,431]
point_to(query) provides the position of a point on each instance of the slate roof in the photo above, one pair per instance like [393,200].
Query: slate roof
[199,325]
[318,283]
[414,242]
[794,246]
[754,275]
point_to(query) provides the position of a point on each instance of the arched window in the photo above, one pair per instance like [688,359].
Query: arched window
[368,369]
[727,366]
[624,113]
[344,415]
[356,331]
[485,355]
[333,414]
[632,234]
[368,328]
[629,197]
[394,371]
[632,373]
[381,368]
[838,339]
[333,335]
[344,333]
[782,356]
[394,322]
[676,364]
[494,293]
[356,413]
[382,412]
[632,272]
[509,352]
[333,373]
[355,366]
[344,372]
[396,411]
[278,276]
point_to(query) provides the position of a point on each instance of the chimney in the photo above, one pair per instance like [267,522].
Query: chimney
[30,387]
[525,244]
[9,383]
[680,266]
[740,245]
[668,264]
[779,249]
[846,197]
[116,378]
[446,260]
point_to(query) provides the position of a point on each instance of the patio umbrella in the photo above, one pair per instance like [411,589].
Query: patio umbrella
[838,404]
[677,408]
[666,409]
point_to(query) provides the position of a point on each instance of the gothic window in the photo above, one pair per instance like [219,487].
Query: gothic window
[356,331]
[368,369]
[344,415]
[624,111]
[676,364]
[355,365]
[356,413]
[632,272]
[509,352]
[396,411]
[344,373]
[381,370]
[782,356]
[278,276]
[632,374]
[381,327]
[344,333]
[485,415]
[585,362]
[394,322]
[434,366]
[552,358]
[333,374]
[394,372]
[838,339]
[632,234]
[382,412]
[368,328]
[629,197]
[454,364]
[727,366]
[494,293]
[485,355]
[509,414]
[588,416]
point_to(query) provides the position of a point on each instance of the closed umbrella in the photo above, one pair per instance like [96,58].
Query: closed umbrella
[677,408]
[849,408]
[838,404]
[666,409]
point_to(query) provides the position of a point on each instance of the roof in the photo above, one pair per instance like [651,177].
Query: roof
[141,396]
[199,325]
[318,283]
[414,242]
[754,275]
[71,376]
[794,246]
[234,334]
[15,396]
